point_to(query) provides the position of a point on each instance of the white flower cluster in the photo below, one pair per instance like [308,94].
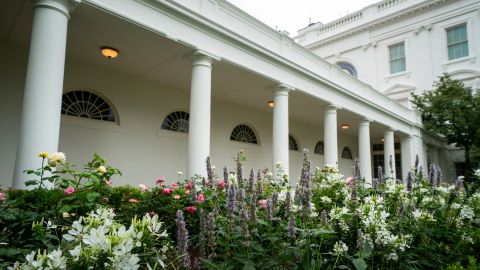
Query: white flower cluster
[340,248]
[338,216]
[99,236]
[42,261]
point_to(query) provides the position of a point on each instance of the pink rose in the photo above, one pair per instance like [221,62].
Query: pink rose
[69,190]
[3,196]
[174,185]
[167,191]
[221,184]
[189,185]
[132,200]
[108,182]
[160,180]
[349,180]
[191,209]
[151,213]
[176,197]
[200,198]
[262,203]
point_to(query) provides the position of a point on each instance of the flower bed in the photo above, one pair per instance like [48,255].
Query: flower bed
[256,221]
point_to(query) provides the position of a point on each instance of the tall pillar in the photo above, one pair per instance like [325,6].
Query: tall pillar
[389,151]
[408,158]
[280,127]
[330,136]
[200,110]
[364,150]
[42,100]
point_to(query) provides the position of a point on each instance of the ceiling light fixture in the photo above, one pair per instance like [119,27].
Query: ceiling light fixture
[345,126]
[383,139]
[109,52]
[270,104]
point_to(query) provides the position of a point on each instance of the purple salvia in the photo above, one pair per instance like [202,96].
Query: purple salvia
[381,177]
[242,199]
[409,181]
[209,172]
[244,223]
[259,183]
[239,160]
[439,176]
[303,193]
[232,201]
[203,233]
[182,241]
[431,174]
[253,207]
[324,218]
[390,163]
[193,190]
[251,182]
[417,161]
[269,208]
[204,183]
[288,203]
[291,227]
[274,200]
[420,174]
[212,241]
[459,183]
[356,177]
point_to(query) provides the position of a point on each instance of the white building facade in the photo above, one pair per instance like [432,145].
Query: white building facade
[192,79]
[401,47]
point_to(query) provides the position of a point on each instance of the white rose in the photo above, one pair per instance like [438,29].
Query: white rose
[102,169]
[56,159]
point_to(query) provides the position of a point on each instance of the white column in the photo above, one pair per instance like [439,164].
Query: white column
[280,127]
[408,158]
[42,100]
[389,150]
[200,110]
[330,136]
[364,151]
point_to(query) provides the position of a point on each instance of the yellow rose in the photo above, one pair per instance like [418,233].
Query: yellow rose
[43,154]
[101,169]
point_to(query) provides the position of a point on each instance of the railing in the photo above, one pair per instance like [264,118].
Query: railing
[341,22]
[388,4]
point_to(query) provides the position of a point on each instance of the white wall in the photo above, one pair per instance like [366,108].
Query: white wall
[137,145]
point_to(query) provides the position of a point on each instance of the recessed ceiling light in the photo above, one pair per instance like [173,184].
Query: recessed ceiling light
[109,52]
[383,139]
[270,104]
[345,126]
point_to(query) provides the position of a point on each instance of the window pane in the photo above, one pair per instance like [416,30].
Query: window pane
[457,42]
[397,58]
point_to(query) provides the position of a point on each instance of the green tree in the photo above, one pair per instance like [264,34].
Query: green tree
[452,111]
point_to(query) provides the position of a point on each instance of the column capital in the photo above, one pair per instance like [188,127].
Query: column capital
[283,89]
[332,108]
[365,121]
[62,6]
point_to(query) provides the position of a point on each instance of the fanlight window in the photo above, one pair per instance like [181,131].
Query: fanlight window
[346,153]
[243,133]
[176,121]
[319,148]
[292,143]
[87,105]
[348,68]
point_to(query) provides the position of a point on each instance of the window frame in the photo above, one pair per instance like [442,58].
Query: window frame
[390,60]
[447,45]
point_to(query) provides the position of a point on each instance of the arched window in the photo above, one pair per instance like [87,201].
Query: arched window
[176,121]
[86,104]
[292,143]
[346,153]
[243,133]
[319,148]
[348,68]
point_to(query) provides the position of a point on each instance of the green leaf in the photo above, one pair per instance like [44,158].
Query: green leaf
[359,264]
[92,196]
[31,183]
[64,208]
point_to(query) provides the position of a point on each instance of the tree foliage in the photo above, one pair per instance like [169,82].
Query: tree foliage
[452,111]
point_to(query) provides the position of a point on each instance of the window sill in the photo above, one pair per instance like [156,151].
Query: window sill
[471,59]
[398,74]
[74,121]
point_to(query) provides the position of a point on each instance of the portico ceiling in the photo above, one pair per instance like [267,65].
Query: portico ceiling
[151,56]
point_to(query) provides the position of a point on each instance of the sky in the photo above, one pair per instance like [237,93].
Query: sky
[293,15]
